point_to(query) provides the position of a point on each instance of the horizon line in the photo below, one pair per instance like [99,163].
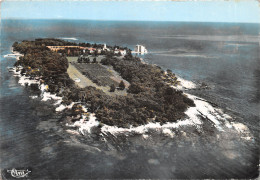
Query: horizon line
[12,18]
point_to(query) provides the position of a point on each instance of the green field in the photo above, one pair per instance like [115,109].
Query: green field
[96,75]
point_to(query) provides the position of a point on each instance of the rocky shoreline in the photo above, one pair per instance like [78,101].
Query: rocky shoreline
[87,123]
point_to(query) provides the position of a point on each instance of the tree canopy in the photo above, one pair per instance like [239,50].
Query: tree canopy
[149,98]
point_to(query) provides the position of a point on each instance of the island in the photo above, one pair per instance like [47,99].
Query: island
[117,87]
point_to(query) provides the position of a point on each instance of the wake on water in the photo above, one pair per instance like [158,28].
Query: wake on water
[69,38]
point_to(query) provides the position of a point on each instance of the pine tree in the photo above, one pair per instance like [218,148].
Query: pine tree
[122,85]
[94,60]
[112,88]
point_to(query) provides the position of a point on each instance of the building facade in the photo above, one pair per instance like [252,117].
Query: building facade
[140,49]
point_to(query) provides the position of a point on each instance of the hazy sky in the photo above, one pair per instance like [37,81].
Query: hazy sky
[201,11]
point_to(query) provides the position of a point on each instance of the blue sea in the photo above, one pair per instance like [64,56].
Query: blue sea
[225,56]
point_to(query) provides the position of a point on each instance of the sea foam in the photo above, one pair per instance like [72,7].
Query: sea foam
[86,125]
[45,96]
[219,120]
[185,84]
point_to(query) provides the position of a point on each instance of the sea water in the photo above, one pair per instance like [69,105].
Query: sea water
[224,56]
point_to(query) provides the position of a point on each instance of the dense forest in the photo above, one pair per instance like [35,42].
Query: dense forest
[149,97]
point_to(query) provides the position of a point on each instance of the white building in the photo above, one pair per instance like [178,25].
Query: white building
[99,51]
[140,49]
[123,52]
[105,48]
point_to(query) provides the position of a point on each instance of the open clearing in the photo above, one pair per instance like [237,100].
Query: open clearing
[96,75]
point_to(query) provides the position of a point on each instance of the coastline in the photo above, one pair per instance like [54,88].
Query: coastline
[13,54]
[89,125]
[36,136]
[201,116]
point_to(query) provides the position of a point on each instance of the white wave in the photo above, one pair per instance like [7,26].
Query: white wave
[13,55]
[69,38]
[168,132]
[202,108]
[58,102]
[145,136]
[48,96]
[33,97]
[236,44]
[193,113]
[71,105]
[187,55]
[173,51]
[240,127]
[25,80]
[243,130]
[84,109]
[17,73]
[206,110]
[72,131]
[62,107]
[230,38]
[43,87]
[184,84]
[86,127]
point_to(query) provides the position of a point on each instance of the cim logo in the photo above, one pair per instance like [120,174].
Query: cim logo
[19,173]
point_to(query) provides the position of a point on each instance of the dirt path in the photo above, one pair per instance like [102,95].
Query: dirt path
[84,81]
